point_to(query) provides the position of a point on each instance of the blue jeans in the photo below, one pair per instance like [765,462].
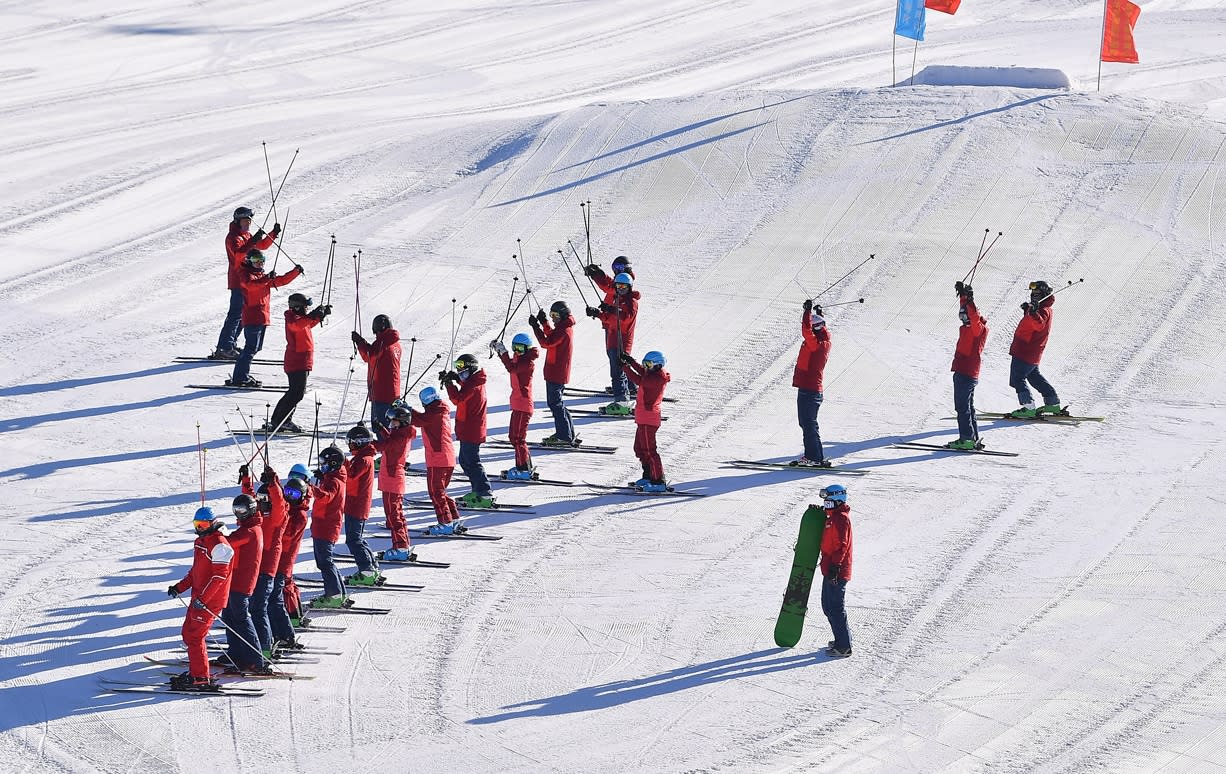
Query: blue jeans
[807,404]
[259,611]
[964,407]
[333,583]
[378,414]
[241,640]
[253,342]
[470,462]
[278,616]
[229,329]
[617,377]
[563,426]
[355,539]
[1021,372]
[833,593]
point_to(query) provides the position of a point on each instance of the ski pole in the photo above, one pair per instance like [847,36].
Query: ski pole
[271,192]
[587,227]
[326,293]
[357,295]
[314,433]
[282,185]
[970,275]
[200,460]
[578,287]
[344,397]
[234,437]
[1060,290]
[240,637]
[250,429]
[423,373]
[843,303]
[595,289]
[277,257]
[264,446]
[507,320]
[409,367]
[451,352]
[845,276]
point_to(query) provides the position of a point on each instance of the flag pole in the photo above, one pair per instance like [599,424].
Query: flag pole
[914,53]
[894,48]
[1101,40]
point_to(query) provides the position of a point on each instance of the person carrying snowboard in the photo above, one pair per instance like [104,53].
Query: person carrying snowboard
[466,388]
[395,438]
[618,318]
[807,379]
[382,358]
[297,494]
[651,379]
[1029,341]
[558,340]
[327,518]
[435,422]
[299,358]
[242,643]
[967,356]
[239,242]
[520,364]
[209,581]
[257,290]
[359,493]
[836,567]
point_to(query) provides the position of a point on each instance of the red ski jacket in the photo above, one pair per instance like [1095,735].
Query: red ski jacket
[248,544]
[971,338]
[521,367]
[470,407]
[299,341]
[814,351]
[209,577]
[558,343]
[1030,338]
[605,283]
[382,358]
[435,424]
[360,482]
[257,292]
[629,306]
[394,445]
[238,244]
[291,538]
[328,512]
[274,529]
[836,541]
[651,392]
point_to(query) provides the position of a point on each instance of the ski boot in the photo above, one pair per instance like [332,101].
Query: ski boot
[655,486]
[223,661]
[520,473]
[834,652]
[474,500]
[441,529]
[327,602]
[962,444]
[805,462]
[398,555]
[248,382]
[281,647]
[185,682]
[224,354]
[253,670]
[368,578]
[1051,409]
[289,426]
[617,409]
[1028,411]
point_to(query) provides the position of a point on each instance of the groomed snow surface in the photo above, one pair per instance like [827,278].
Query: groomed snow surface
[1058,611]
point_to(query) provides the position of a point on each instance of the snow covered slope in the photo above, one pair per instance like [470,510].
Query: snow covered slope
[1062,610]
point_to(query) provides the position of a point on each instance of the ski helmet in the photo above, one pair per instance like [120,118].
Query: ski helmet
[1039,290]
[381,323]
[359,435]
[623,278]
[299,302]
[255,260]
[654,359]
[398,412]
[204,519]
[331,459]
[428,395]
[833,494]
[560,309]
[520,342]
[245,506]
[295,489]
[243,212]
[621,264]
[299,471]
[262,499]
[466,366]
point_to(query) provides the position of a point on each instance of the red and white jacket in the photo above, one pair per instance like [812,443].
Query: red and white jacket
[209,577]
[651,386]
[625,313]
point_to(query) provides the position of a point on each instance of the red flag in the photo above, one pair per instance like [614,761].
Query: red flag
[1118,22]
[944,6]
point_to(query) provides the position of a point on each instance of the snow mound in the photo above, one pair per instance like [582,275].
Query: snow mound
[1008,77]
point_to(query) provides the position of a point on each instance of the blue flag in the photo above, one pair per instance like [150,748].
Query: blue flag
[910,20]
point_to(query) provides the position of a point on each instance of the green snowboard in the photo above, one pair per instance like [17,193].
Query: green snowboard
[804,566]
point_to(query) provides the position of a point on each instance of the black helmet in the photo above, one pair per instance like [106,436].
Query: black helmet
[621,263]
[359,435]
[331,459]
[560,309]
[262,499]
[255,260]
[399,412]
[245,507]
[381,323]
[466,365]
[299,302]
[295,489]
[1039,290]
[243,212]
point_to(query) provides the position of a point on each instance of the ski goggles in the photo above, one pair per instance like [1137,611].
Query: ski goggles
[621,287]
[294,494]
[256,261]
[651,365]
[519,349]
[202,525]
[555,316]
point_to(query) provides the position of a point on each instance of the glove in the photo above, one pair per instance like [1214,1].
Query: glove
[592,270]
[173,590]
[268,476]
[834,573]
[607,308]
[259,234]
[452,376]
[327,309]
[964,290]
[808,305]
[318,474]
[272,275]
[243,472]
[319,313]
[276,230]
[536,325]
[300,269]
[498,346]
[1026,307]
[442,375]
[355,337]
[541,317]
[198,604]
[625,357]
[592,312]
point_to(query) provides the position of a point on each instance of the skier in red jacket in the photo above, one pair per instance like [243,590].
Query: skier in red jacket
[967,356]
[239,242]
[618,318]
[466,388]
[807,379]
[242,642]
[520,365]
[267,602]
[359,494]
[209,581]
[327,518]
[435,422]
[299,358]
[395,438]
[836,567]
[1029,341]
[652,380]
[257,290]
[558,341]
[382,358]
[620,265]
[297,494]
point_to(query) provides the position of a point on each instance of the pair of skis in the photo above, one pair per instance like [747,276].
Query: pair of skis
[605,391]
[580,447]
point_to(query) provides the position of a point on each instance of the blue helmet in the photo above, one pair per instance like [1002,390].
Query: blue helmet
[204,513]
[835,493]
[428,396]
[654,359]
[300,472]
[623,279]
[520,342]
[204,520]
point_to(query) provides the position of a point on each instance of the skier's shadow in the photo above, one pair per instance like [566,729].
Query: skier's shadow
[606,695]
